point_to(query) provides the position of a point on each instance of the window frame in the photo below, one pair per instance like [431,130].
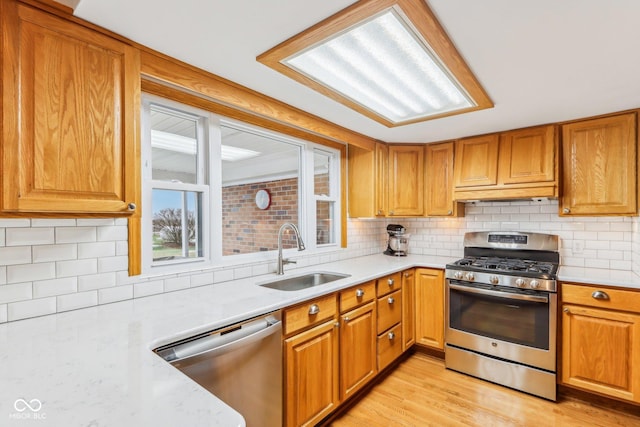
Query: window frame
[210,157]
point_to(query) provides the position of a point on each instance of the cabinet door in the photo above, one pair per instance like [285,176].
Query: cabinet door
[71,107]
[528,155]
[430,307]
[439,181]
[357,349]
[311,375]
[601,351]
[362,182]
[476,162]
[599,166]
[381,182]
[408,309]
[406,180]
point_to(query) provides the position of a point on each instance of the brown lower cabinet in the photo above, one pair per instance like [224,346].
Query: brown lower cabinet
[429,306]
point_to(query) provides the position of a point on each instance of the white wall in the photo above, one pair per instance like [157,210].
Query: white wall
[49,266]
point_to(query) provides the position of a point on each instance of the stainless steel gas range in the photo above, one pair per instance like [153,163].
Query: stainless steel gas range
[501,313]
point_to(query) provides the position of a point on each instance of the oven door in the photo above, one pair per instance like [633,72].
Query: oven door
[508,323]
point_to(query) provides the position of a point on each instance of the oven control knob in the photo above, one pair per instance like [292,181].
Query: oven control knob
[470,277]
[458,275]
[534,284]
[520,282]
[494,280]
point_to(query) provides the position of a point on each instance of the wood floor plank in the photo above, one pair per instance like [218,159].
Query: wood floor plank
[421,392]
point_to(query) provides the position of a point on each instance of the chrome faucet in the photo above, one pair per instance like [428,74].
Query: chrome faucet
[299,242]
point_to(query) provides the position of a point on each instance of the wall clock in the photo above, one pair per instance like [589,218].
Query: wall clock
[263,199]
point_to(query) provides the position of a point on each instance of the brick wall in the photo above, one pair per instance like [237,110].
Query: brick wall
[246,228]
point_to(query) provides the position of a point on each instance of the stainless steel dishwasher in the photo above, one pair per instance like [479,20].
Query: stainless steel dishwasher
[241,364]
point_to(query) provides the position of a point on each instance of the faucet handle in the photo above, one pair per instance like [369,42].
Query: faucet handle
[289,261]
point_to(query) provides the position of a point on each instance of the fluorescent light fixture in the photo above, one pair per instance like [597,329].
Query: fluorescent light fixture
[376,58]
[185,145]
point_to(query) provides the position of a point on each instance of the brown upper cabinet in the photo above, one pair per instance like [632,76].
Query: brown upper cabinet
[439,181]
[600,166]
[511,165]
[70,103]
[387,180]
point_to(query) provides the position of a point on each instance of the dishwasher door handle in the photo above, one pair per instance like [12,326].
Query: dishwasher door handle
[218,345]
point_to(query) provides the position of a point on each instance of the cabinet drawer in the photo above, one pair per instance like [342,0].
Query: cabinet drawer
[601,297]
[389,346]
[309,313]
[389,310]
[389,283]
[357,295]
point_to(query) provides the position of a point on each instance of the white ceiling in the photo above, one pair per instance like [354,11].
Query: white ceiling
[540,61]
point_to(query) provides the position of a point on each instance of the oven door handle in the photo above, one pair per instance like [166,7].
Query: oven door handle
[532,298]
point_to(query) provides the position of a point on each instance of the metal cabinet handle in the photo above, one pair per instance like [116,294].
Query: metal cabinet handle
[566,210]
[380,212]
[390,212]
[314,309]
[406,274]
[566,310]
[391,336]
[359,293]
[346,319]
[600,295]
[131,206]
[391,282]
[449,212]
[390,300]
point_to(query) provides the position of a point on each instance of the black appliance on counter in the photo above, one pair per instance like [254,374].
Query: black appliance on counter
[501,312]
[398,242]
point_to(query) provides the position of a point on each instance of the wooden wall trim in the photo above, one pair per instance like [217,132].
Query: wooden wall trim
[227,93]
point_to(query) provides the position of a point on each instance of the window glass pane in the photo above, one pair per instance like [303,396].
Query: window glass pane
[174,146]
[324,222]
[251,162]
[177,224]
[321,182]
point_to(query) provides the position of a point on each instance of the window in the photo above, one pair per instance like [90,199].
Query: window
[390,61]
[201,174]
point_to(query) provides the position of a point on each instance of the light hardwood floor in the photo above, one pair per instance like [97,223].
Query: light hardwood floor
[421,392]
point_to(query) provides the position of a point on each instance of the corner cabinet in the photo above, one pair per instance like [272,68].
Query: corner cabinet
[521,163]
[70,117]
[600,166]
[601,340]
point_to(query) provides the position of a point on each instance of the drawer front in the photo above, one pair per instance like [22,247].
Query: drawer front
[601,297]
[357,295]
[389,310]
[389,283]
[309,313]
[389,346]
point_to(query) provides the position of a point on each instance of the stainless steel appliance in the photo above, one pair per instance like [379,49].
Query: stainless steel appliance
[501,310]
[241,364]
[398,242]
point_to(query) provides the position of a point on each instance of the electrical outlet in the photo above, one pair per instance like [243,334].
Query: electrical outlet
[578,247]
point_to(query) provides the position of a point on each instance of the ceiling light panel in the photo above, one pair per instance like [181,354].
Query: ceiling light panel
[387,59]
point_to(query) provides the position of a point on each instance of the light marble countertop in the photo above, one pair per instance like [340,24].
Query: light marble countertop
[94,367]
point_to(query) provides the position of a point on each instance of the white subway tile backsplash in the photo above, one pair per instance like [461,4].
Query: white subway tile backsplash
[76,301]
[201,279]
[52,222]
[48,253]
[29,236]
[96,250]
[112,233]
[95,222]
[76,267]
[31,272]
[223,276]
[116,263]
[148,288]
[14,222]
[2,237]
[31,308]
[75,234]
[15,255]
[96,281]
[16,292]
[3,275]
[49,288]
[118,293]
[3,313]
[122,248]
[177,283]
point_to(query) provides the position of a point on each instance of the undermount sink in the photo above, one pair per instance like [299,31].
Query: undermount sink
[303,282]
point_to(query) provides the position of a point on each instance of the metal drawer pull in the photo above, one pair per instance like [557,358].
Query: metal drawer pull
[314,309]
[566,310]
[346,319]
[600,295]
[391,300]
[391,336]
[359,293]
[390,282]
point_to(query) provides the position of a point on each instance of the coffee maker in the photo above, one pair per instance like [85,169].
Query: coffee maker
[398,242]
